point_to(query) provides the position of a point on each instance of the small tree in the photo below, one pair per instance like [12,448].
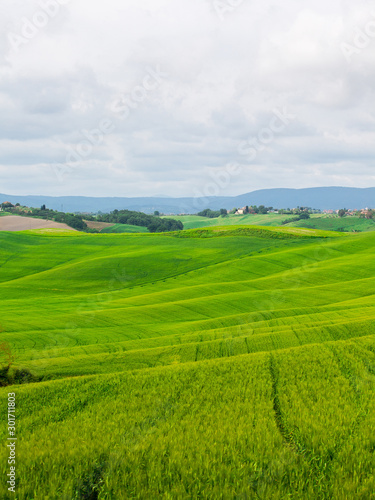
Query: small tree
[304,215]
[342,212]
[7,205]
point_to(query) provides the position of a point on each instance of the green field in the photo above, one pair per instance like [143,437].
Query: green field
[124,228]
[226,362]
[336,223]
[195,221]
[317,221]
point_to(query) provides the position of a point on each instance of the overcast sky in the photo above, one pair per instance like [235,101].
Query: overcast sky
[185,97]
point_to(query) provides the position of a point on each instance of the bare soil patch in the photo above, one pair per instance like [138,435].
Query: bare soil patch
[98,225]
[17,223]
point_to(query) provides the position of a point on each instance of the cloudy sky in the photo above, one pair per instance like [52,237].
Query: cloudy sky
[185,97]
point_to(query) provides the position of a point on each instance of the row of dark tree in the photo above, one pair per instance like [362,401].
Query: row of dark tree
[212,214]
[153,223]
[77,221]
[301,216]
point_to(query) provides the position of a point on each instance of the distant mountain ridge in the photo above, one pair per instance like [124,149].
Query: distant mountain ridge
[323,198]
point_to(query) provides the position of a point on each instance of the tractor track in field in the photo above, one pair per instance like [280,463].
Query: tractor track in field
[7,260]
[247,345]
[279,417]
[346,372]
[352,379]
[320,466]
[370,367]
[196,352]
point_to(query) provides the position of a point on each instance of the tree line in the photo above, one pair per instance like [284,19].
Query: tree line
[212,214]
[153,223]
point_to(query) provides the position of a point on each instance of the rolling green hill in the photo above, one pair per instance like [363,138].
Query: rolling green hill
[124,228]
[195,221]
[226,362]
[317,221]
[335,223]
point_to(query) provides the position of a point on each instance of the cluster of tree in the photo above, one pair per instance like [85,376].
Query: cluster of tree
[10,375]
[298,211]
[262,209]
[153,223]
[301,216]
[7,206]
[211,214]
[370,214]
[367,214]
[253,209]
[72,220]
[13,376]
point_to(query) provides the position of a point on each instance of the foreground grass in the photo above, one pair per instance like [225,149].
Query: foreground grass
[296,424]
[226,363]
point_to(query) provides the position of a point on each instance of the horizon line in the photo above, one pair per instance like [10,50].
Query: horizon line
[181,197]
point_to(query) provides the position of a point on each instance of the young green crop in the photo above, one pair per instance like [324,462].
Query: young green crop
[240,364]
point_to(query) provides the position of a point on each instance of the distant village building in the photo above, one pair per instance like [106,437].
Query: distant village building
[365,212]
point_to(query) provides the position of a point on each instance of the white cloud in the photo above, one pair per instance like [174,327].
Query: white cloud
[222,79]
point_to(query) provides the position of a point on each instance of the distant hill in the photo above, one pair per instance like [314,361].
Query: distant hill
[323,198]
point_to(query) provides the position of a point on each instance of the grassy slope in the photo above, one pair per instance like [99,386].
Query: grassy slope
[124,228]
[231,362]
[323,222]
[334,223]
[194,221]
